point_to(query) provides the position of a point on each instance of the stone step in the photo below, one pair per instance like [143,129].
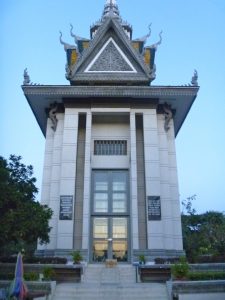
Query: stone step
[137,291]
[117,283]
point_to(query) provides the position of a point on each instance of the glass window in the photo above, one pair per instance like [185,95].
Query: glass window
[119,202]
[100,181]
[110,192]
[119,228]
[110,147]
[100,202]
[100,228]
[119,181]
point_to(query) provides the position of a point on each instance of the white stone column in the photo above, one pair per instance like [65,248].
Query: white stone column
[68,174]
[166,201]
[174,190]
[87,183]
[55,166]
[47,170]
[133,182]
[152,174]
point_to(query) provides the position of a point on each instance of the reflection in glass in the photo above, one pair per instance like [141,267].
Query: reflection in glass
[119,186]
[100,251]
[100,228]
[119,202]
[120,250]
[100,202]
[101,181]
[101,186]
[119,181]
[120,228]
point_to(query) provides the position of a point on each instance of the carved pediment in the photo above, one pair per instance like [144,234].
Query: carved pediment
[110,58]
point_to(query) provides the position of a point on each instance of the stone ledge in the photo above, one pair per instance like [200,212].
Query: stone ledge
[175,288]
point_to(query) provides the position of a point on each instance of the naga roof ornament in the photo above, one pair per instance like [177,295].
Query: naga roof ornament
[26,77]
[145,37]
[194,80]
[66,46]
[159,42]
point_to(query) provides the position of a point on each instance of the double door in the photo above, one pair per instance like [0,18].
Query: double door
[110,216]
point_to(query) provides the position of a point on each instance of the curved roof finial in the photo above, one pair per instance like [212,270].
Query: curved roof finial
[66,46]
[159,42]
[72,34]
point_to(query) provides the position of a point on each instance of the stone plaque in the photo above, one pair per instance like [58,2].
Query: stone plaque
[66,208]
[154,208]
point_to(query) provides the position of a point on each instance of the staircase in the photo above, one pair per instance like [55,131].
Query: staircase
[118,283]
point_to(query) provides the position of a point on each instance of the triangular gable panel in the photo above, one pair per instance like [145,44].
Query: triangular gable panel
[110,59]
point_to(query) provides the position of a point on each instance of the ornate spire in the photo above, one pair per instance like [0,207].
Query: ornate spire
[111,9]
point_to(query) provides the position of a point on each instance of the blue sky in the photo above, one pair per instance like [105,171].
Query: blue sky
[193,38]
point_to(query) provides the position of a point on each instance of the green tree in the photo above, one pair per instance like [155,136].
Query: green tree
[202,233]
[22,219]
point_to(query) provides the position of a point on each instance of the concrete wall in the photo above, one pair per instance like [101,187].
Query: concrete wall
[151,161]
[108,131]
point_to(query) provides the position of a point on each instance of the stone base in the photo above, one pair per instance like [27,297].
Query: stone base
[151,254]
[110,263]
[62,253]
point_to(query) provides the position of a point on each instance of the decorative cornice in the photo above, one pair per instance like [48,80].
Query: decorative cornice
[111,91]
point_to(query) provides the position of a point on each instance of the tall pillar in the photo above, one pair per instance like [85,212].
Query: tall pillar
[87,178]
[166,200]
[174,190]
[133,175]
[152,174]
[47,170]
[53,156]
[68,174]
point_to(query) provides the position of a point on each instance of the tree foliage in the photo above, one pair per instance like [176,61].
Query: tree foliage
[22,219]
[203,234]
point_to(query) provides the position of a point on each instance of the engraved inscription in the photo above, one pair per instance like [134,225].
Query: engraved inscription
[154,208]
[66,208]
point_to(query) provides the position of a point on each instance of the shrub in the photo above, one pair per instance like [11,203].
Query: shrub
[6,276]
[31,276]
[48,273]
[210,259]
[180,269]
[141,259]
[77,257]
[209,275]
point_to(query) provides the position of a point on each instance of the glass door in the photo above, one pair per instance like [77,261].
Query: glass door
[110,239]
[110,216]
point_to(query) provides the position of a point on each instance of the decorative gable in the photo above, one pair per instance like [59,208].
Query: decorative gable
[110,59]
